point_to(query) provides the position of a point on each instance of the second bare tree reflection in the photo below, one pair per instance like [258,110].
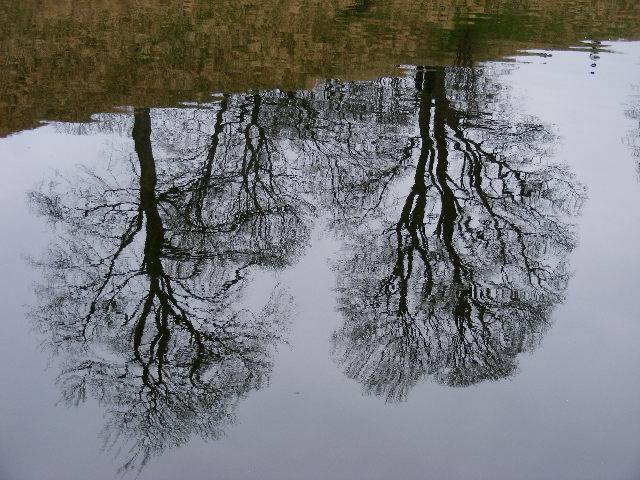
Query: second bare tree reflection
[456,232]
[459,273]
[143,291]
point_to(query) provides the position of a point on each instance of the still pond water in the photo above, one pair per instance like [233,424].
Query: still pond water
[320,240]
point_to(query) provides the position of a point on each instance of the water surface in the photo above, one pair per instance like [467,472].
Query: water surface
[320,241]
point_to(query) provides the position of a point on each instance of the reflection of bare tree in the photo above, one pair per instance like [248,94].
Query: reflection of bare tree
[455,245]
[143,290]
[632,139]
[348,125]
[466,275]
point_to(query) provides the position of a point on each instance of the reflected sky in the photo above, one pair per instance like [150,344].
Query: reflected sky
[287,283]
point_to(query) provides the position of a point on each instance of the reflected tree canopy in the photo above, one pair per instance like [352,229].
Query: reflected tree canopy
[455,228]
[632,138]
[457,269]
[143,291]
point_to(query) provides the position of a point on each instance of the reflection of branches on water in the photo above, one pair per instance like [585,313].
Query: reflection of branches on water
[180,380]
[632,139]
[256,197]
[143,290]
[351,124]
[466,275]
[455,229]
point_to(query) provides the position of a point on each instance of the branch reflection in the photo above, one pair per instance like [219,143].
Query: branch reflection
[143,291]
[458,267]
[456,232]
